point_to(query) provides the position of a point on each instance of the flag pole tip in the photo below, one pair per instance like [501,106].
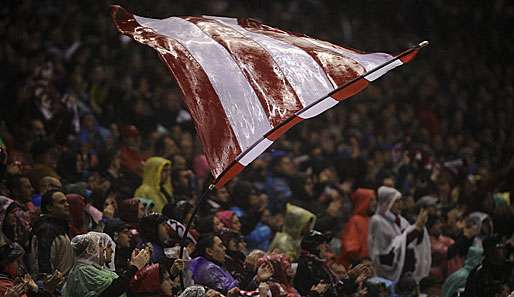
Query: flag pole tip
[424,43]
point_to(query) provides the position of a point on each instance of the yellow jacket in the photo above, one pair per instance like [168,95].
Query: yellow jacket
[151,187]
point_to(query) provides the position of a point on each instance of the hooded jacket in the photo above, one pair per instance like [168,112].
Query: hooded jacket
[295,220]
[151,187]
[354,238]
[393,242]
[457,280]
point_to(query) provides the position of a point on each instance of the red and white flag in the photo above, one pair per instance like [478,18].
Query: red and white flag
[246,83]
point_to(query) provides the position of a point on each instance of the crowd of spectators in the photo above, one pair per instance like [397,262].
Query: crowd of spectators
[404,190]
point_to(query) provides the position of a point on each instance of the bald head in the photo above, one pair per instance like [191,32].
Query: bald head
[48,183]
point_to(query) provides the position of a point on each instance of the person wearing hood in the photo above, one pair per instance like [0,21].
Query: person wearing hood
[457,280]
[156,182]
[13,284]
[274,273]
[395,246]
[490,277]
[354,238]
[91,276]
[297,223]
[477,226]
[14,222]
[157,280]
[51,247]
[313,276]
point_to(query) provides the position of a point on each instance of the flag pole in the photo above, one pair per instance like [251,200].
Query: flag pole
[288,120]
[200,201]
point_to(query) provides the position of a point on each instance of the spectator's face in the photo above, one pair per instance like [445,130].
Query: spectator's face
[165,173]
[38,129]
[287,166]
[164,235]
[170,147]
[60,207]
[397,207]
[217,225]
[217,251]
[124,238]
[25,191]
[236,224]
[108,253]
[49,183]
[141,211]
[222,195]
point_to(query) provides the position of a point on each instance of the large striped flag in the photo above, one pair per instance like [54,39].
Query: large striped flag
[246,83]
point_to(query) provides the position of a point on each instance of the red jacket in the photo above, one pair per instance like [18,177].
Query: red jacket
[354,238]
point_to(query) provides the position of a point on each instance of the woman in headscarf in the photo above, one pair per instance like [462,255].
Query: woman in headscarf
[14,222]
[91,276]
[275,270]
[156,182]
[131,211]
[157,280]
[80,220]
[229,220]
[396,247]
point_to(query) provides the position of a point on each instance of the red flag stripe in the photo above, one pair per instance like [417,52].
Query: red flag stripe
[230,173]
[276,95]
[240,103]
[219,141]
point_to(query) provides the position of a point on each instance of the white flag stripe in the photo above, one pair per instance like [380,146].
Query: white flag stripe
[240,103]
[254,152]
[318,108]
[305,75]
[368,61]
[383,70]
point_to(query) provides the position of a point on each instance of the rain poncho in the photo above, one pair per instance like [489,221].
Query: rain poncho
[20,230]
[207,273]
[295,221]
[151,187]
[457,280]
[385,236]
[89,277]
[354,238]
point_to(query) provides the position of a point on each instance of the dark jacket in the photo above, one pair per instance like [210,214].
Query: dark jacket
[312,270]
[51,246]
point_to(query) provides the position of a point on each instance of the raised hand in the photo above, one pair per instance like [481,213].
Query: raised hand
[421,219]
[140,258]
[52,282]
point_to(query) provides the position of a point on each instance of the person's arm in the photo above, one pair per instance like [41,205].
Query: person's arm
[121,284]
[415,234]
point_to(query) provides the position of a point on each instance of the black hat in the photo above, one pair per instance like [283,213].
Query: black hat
[9,253]
[312,241]
[115,225]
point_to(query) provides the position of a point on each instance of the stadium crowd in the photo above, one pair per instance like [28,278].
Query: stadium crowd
[404,190]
